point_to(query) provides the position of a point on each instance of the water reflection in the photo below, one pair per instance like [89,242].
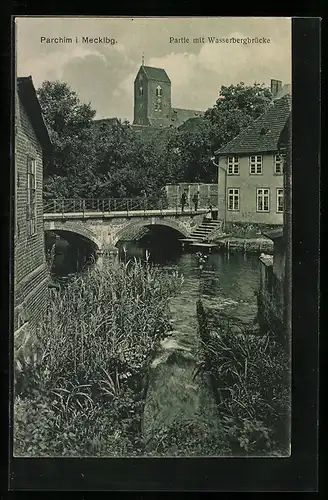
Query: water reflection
[68,254]
[230,280]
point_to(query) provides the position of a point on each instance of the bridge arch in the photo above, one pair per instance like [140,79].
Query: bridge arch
[127,230]
[81,231]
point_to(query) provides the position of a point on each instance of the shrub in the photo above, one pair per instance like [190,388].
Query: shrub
[191,437]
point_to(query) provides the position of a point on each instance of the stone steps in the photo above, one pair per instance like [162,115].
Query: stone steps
[203,231]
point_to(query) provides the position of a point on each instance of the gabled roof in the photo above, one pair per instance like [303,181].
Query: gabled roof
[264,133]
[28,97]
[106,121]
[191,123]
[180,116]
[157,74]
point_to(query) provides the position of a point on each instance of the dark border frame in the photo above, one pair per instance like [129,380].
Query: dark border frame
[299,472]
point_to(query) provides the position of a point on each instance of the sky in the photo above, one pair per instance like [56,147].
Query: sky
[103,73]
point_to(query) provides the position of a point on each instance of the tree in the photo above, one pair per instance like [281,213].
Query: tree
[69,122]
[235,109]
[128,163]
[189,153]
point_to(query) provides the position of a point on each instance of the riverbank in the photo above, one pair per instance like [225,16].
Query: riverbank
[251,245]
[227,244]
[82,390]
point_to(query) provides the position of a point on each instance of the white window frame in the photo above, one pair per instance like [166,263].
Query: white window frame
[233,194]
[262,194]
[233,165]
[278,164]
[256,165]
[31,197]
[280,196]
[159,91]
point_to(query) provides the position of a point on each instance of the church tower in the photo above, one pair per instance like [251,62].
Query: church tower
[152,97]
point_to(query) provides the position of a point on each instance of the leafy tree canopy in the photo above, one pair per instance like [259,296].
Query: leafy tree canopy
[113,160]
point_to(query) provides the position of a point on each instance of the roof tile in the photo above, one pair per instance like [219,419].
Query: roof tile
[30,101]
[264,133]
[180,116]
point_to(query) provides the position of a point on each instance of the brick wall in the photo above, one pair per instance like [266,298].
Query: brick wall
[145,103]
[162,117]
[141,102]
[30,269]
[248,184]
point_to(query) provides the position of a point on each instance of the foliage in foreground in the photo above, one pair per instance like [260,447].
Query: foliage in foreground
[193,437]
[251,380]
[81,392]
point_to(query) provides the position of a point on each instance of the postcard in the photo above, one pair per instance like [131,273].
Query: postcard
[152,243]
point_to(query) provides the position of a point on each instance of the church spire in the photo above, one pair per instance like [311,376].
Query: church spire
[143,59]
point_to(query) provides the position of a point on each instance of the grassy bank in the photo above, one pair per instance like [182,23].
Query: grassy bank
[81,392]
[249,245]
[247,230]
[250,377]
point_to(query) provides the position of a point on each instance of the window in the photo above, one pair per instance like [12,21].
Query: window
[141,90]
[31,197]
[278,164]
[262,200]
[158,106]
[233,165]
[158,91]
[255,165]
[233,199]
[280,200]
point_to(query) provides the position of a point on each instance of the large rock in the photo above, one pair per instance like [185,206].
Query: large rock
[174,393]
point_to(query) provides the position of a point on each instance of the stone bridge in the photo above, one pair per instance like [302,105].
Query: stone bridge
[106,229]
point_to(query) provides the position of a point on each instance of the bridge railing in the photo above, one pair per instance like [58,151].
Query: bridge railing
[61,206]
[107,205]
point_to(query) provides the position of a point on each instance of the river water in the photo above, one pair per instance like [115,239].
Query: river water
[227,280]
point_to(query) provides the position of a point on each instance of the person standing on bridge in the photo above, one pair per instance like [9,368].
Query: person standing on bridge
[144,199]
[183,200]
[195,200]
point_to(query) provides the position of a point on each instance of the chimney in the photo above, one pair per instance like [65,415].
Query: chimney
[276,85]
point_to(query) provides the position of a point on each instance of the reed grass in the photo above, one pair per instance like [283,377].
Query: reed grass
[81,392]
[251,379]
